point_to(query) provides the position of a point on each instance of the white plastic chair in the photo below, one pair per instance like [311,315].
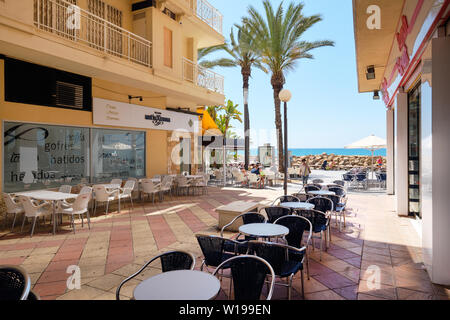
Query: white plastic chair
[102,195]
[149,188]
[79,207]
[166,186]
[253,179]
[65,189]
[127,191]
[12,207]
[183,184]
[33,211]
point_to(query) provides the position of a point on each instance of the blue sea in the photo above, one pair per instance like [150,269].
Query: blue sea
[338,152]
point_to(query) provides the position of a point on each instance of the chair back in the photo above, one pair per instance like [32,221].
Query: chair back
[249,274]
[339,182]
[311,187]
[348,177]
[116,181]
[86,190]
[81,203]
[100,193]
[148,186]
[15,283]
[273,213]
[247,218]
[301,196]
[276,254]
[129,187]
[253,178]
[335,199]
[297,225]
[65,189]
[212,248]
[11,205]
[338,191]
[322,204]
[30,209]
[136,183]
[318,219]
[288,198]
[317,181]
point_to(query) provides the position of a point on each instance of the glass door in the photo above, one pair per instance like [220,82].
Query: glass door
[413,151]
[185,155]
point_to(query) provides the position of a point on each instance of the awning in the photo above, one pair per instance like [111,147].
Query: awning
[208,125]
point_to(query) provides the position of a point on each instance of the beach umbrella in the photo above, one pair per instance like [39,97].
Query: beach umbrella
[371,143]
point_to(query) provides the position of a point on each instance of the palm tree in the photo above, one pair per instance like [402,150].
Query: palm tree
[231,113]
[242,55]
[277,39]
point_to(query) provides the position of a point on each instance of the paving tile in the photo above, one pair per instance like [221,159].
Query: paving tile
[377,289]
[50,289]
[323,295]
[333,280]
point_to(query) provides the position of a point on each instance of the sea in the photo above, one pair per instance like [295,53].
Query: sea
[335,151]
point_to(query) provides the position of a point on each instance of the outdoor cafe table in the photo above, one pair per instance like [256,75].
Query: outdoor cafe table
[263,230]
[46,195]
[297,205]
[322,193]
[178,285]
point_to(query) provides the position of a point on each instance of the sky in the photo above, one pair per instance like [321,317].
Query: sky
[326,110]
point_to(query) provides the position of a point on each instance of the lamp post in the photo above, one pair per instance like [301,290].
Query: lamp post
[285,95]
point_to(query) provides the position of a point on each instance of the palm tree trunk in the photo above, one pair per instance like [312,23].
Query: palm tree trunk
[246,73]
[277,85]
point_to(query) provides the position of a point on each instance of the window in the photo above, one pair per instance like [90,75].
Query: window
[117,154]
[37,85]
[42,156]
[37,156]
[168,48]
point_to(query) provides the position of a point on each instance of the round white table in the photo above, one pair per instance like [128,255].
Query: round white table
[178,285]
[263,230]
[297,205]
[322,193]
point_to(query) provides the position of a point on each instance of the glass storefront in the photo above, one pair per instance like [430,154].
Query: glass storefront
[37,156]
[414,151]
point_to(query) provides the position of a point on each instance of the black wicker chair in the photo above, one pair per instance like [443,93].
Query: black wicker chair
[214,250]
[282,199]
[320,224]
[297,226]
[311,187]
[247,218]
[278,256]
[15,283]
[248,274]
[323,204]
[339,204]
[170,261]
[273,213]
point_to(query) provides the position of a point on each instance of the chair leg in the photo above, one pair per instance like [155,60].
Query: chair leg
[303,284]
[320,254]
[32,228]
[307,264]
[88,218]
[290,286]
[73,224]
[23,222]
[14,221]
[107,205]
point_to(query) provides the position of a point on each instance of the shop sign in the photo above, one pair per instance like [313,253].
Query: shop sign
[113,113]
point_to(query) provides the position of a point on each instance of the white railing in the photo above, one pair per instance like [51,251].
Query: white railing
[210,15]
[62,18]
[202,77]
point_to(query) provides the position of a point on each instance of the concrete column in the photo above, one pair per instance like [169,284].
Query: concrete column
[390,163]
[401,155]
[440,221]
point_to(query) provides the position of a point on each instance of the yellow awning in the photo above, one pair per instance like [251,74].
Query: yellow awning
[208,123]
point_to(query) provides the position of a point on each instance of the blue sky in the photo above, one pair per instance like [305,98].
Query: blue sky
[326,110]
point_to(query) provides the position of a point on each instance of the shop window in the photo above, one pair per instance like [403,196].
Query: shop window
[38,85]
[40,156]
[117,154]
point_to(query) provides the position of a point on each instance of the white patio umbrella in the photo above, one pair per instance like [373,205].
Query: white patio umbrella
[371,143]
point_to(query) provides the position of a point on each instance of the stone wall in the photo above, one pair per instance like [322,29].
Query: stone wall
[340,162]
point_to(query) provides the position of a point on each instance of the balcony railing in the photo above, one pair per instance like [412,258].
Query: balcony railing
[202,77]
[210,15]
[63,19]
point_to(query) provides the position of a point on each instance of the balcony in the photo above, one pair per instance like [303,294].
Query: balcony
[202,77]
[65,20]
[207,13]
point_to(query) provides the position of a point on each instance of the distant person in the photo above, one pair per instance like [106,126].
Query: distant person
[380,162]
[305,171]
[324,165]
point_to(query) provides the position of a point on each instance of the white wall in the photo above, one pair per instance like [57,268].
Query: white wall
[401,154]
[390,163]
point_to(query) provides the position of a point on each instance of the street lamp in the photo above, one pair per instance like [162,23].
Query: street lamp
[285,95]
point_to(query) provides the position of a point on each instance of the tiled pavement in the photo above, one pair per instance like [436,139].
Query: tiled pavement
[118,244]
